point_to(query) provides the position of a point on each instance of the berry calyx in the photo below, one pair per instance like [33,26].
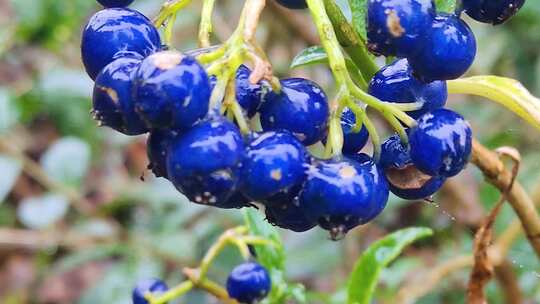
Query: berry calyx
[441,143]
[115,3]
[116,32]
[301,107]
[448,52]
[398,27]
[492,11]
[274,162]
[171,90]
[395,83]
[112,100]
[154,286]
[248,283]
[342,194]
[204,162]
[404,179]
[293,4]
[353,141]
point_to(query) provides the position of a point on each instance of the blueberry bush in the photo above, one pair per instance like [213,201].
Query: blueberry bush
[335,156]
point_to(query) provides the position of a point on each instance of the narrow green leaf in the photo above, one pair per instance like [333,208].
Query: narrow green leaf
[447,6]
[317,55]
[359,11]
[365,275]
[508,92]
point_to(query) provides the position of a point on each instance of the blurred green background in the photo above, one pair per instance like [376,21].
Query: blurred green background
[126,225]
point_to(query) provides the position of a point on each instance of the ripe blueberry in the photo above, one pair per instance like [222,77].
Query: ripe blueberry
[248,283]
[353,142]
[342,194]
[293,4]
[113,103]
[115,3]
[289,215]
[143,287]
[301,107]
[398,27]
[275,161]
[492,11]
[404,179]
[156,147]
[248,95]
[396,83]
[204,162]
[448,52]
[113,33]
[171,90]
[441,143]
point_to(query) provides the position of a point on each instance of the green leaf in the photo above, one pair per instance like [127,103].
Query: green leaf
[67,160]
[273,259]
[445,5]
[365,275]
[359,11]
[9,113]
[42,211]
[11,169]
[508,92]
[317,55]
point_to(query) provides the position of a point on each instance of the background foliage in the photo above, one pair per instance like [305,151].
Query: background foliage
[130,228]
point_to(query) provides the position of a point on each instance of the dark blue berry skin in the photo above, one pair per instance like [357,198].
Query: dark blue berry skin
[395,83]
[301,107]
[115,32]
[398,27]
[441,143]
[342,194]
[115,3]
[289,215]
[172,91]
[275,161]
[248,283]
[404,179]
[492,11]
[204,162]
[293,4]
[113,103]
[352,142]
[153,286]
[157,146]
[448,52]
[248,95]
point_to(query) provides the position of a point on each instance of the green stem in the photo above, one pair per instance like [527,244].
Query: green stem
[169,9]
[206,28]
[173,293]
[351,42]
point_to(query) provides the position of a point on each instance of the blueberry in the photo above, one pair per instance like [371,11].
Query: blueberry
[204,162]
[492,11]
[448,51]
[353,142]
[113,33]
[404,179]
[441,143]
[293,4]
[113,103]
[248,283]
[275,161]
[172,90]
[342,194]
[301,107]
[395,83]
[248,95]
[398,27]
[143,287]
[289,215]
[115,3]
[157,146]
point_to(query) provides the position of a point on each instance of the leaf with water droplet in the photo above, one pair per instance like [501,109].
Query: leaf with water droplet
[366,271]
